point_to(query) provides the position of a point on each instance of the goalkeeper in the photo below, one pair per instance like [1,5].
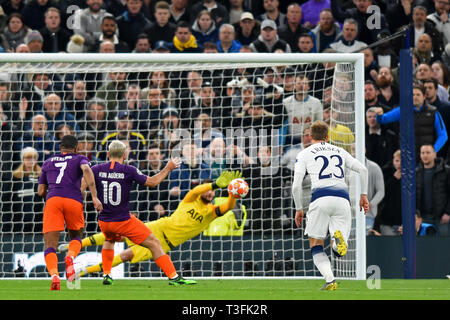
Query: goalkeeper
[193,215]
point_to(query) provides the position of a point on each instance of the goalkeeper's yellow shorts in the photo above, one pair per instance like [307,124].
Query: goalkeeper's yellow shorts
[143,254]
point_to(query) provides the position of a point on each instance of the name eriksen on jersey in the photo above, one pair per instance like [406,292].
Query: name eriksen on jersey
[317,149]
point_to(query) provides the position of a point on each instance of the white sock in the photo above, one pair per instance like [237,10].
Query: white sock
[322,263]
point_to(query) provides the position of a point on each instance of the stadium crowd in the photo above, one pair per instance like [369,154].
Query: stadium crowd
[146,110]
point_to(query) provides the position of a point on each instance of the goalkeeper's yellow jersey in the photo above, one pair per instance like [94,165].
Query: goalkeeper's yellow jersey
[191,217]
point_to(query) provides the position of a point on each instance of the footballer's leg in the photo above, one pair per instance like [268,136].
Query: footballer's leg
[107,260]
[321,260]
[51,260]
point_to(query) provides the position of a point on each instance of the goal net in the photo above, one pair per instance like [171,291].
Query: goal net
[247,112]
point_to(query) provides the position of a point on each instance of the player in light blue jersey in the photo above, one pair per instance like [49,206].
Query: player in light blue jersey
[329,209]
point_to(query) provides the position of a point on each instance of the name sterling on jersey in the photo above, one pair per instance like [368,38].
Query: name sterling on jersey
[111,175]
[61,158]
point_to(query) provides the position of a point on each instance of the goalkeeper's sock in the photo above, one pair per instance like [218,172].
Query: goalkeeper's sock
[74,247]
[322,262]
[107,260]
[95,240]
[166,265]
[51,261]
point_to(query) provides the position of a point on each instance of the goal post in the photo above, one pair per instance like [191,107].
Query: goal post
[265,241]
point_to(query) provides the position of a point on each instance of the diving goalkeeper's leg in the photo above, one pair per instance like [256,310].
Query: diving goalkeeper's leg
[124,256]
[95,240]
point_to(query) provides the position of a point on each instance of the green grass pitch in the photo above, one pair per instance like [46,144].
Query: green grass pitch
[227,289]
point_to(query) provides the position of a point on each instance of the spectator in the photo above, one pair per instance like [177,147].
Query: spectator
[35,42]
[210,47]
[384,54]
[88,22]
[190,174]
[209,104]
[184,41]
[168,134]
[215,156]
[265,182]
[371,94]
[106,46]
[95,120]
[326,32]
[424,51]
[247,29]
[236,9]
[75,101]
[12,6]
[153,203]
[131,98]
[424,72]
[205,132]
[305,43]
[189,98]
[441,73]
[433,189]
[292,30]
[268,40]
[161,47]
[39,138]
[370,65]
[422,228]
[113,91]
[289,154]
[148,116]
[34,13]
[381,141]
[15,32]
[159,79]
[288,82]
[339,134]
[55,37]
[389,91]
[302,109]
[40,86]
[142,44]
[272,12]
[311,11]
[218,11]
[366,32]
[227,42]
[86,146]
[75,44]
[348,43]
[428,123]
[204,28]
[27,205]
[179,11]
[399,13]
[440,19]
[162,28]
[132,22]
[56,114]
[109,31]
[389,219]
[125,131]
[10,134]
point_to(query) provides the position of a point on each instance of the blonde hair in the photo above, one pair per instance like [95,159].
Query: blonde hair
[116,149]
[319,130]
[20,172]
[397,153]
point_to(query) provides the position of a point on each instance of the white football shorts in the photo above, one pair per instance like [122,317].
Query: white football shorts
[328,214]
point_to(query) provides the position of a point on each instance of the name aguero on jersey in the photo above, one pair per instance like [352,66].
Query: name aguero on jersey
[111,175]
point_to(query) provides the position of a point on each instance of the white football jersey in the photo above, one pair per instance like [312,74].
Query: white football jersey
[326,164]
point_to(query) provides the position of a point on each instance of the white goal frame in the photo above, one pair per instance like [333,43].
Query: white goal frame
[289,58]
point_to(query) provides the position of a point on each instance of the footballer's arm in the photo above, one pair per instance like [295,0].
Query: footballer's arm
[226,206]
[42,190]
[355,165]
[89,179]
[153,181]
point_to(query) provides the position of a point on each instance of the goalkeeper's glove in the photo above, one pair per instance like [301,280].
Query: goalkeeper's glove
[225,178]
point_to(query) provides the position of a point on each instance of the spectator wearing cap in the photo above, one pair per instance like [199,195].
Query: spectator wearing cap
[326,32]
[34,13]
[204,28]
[54,35]
[161,47]
[268,40]
[272,12]
[161,28]
[347,42]
[86,144]
[184,41]
[88,21]
[14,33]
[247,29]
[132,22]
[218,11]
[125,131]
[35,42]
[227,42]
[292,30]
